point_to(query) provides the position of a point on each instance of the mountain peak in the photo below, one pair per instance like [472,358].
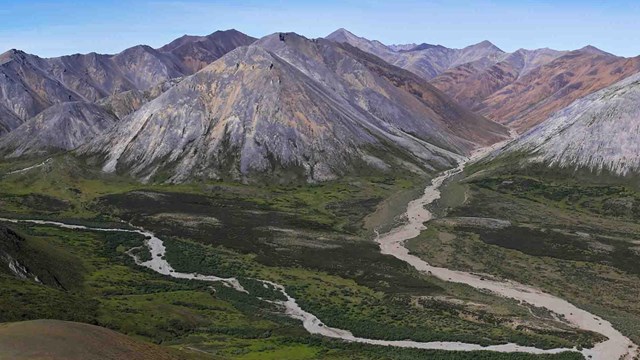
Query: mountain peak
[341,35]
[279,39]
[485,44]
[11,54]
[590,49]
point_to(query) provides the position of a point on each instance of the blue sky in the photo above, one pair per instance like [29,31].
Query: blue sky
[51,28]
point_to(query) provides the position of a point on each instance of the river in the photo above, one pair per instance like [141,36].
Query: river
[392,243]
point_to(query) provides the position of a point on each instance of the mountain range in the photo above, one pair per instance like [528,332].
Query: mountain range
[519,89]
[424,60]
[29,84]
[284,107]
[290,106]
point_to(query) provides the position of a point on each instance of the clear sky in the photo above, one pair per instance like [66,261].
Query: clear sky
[51,28]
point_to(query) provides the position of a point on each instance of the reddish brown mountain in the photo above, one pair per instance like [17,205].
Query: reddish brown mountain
[472,83]
[504,94]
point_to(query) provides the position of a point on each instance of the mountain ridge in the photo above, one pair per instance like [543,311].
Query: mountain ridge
[598,132]
[281,74]
[29,84]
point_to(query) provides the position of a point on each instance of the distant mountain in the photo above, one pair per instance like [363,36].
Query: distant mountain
[425,60]
[63,126]
[26,89]
[196,52]
[533,97]
[519,89]
[29,84]
[600,132]
[470,84]
[289,107]
[371,46]
[401,47]
[67,125]
[423,46]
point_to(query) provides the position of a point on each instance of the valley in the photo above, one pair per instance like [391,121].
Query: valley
[227,196]
[378,292]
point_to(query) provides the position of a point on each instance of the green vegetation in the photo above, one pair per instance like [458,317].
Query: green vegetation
[310,238]
[572,234]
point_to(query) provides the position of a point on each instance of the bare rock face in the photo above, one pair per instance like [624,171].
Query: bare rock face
[520,89]
[8,120]
[289,107]
[532,98]
[470,84]
[124,103]
[26,89]
[29,84]
[425,60]
[600,132]
[196,52]
[60,127]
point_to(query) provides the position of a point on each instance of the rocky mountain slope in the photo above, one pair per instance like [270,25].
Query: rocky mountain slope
[600,132]
[124,103]
[424,60]
[532,98]
[289,107]
[63,126]
[29,84]
[196,52]
[470,84]
[519,89]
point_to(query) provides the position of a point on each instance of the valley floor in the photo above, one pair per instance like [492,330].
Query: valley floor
[309,239]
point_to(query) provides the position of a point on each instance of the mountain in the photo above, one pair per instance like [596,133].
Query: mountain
[29,84]
[600,132]
[532,98]
[63,126]
[289,107]
[519,89]
[196,52]
[26,89]
[124,103]
[470,84]
[371,46]
[67,125]
[457,119]
[401,47]
[425,60]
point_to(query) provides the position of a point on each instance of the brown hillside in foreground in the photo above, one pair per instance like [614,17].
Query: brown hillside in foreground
[64,340]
